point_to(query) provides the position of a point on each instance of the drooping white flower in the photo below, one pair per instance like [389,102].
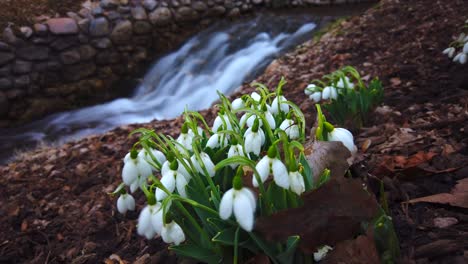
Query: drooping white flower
[321,253]
[249,119]
[207,163]
[310,89]
[160,158]
[256,97]
[316,97]
[462,58]
[235,150]
[291,129]
[329,92]
[217,140]
[172,233]
[272,165]
[458,57]
[238,104]
[296,182]
[465,48]
[135,170]
[449,51]
[342,82]
[145,226]
[125,202]
[172,179]
[185,139]
[344,136]
[221,121]
[253,141]
[279,104]
[242,203]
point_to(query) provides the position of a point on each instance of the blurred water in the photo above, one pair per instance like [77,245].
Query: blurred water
[220,58]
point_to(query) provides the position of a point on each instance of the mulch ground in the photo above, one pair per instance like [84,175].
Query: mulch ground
[54,205]
[23,12]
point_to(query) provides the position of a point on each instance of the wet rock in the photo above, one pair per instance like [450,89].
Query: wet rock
[101,43]
[70,57]
[42,40]
[40,29]
[200,6]
[257,2]
[142,27]
[4,105]
[235,12]
[216,11]
[62,26]
[21,67]
[122,31]
[15,93]
[97,11]
[99,27]
[5,70]
[6,57]
[161,16]
[113,15]
[74,16]
[79,71]
[150,5]
[124,2]
[4,46]
[124,9]
[5,84]
[84,25]
[64,43]
[186,14]
[83,38]
[22,81]
[107,57]
[139,13]
[87,52]
[85,12]
[109,4]
[9,36]
[33,53]
[26,31]
[186,2]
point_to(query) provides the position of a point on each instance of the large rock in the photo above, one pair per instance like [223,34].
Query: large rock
[79,71]
[4,105]
[99,27]
[142,27]
[161,16]
[150,5]
[200,6]
[122,32]
[6,57]
[62,26]
[33,53]
[5,70]
[9,36]
[5,84]
[109,4]
[4,46]
[186,14]
[107,57]
[40,29]
[22,81]
[101,43]
[21,67]
[70,57]
[216,11]
[139,13]
[64,42]
[87,52]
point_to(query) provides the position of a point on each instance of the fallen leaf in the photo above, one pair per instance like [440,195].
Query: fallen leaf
[259,259]
[395,81]
[457,197]
[330,155]
[361,250]
[330,214]
[444,222]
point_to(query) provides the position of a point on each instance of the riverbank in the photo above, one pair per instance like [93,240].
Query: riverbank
[54,202]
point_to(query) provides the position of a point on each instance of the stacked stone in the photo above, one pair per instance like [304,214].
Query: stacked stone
[80,55]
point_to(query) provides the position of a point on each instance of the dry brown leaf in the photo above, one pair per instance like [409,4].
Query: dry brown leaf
[323,155]
[361,250]
[330,214]
[457,197]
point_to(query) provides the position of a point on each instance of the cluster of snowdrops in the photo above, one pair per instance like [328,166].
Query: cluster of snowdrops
[459,46]
[205,188]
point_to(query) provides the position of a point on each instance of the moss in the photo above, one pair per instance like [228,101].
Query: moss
[333,26]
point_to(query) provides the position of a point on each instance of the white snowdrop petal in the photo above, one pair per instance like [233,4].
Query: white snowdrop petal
[280,174]
[256,96]
[326,93]
[316,97]
[217,124]
[134,186]
[121,205]
[293,132]
[249,194]
[333,93]
[344,136]
[263,169]
[209,165]
[462,58]
[237,104]
[168,180]
[181,182]
[213,141]
[296,182]
[144,168]
[157,220]
[225,206]
[144,222]
[243,211]
[129,172]
[270,119]
[177,234]
[130,202]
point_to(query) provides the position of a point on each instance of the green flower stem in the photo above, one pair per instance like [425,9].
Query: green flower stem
[236,246]
[201,231]
[208,178]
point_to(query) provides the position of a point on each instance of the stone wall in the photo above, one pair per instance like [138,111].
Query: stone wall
[62,63]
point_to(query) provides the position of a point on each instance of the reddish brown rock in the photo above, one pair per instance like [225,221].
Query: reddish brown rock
[62,26]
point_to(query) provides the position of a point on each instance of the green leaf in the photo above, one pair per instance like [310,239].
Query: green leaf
[226,236]
[269,251]
[196,252]
[287,256]
[386,239]
[308,182]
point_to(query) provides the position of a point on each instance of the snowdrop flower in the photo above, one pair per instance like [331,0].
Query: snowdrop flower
[221,121]
[290,128]
[329,92]
[160,158]
[296,182]
[344,136]
[238,103]
[279,101]
[135,170]
[145,226]
[236,149]
[217,140]
[172,179]
[342,82]
[272,165]
[449,51]
[465,48]
[256,97]
[125,202]
[316,97]
[254,138]
[241,202]
[251,119]
[321,253]
[181,169]
[310,89]
[461,57]
[172,233]
[207,163]
[185,138]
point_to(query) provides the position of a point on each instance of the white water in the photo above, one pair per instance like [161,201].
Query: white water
[219,58]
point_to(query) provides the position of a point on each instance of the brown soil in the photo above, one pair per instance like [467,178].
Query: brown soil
[53,202]
[23,12]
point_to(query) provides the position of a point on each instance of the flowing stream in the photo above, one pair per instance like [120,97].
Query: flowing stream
[221,58]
